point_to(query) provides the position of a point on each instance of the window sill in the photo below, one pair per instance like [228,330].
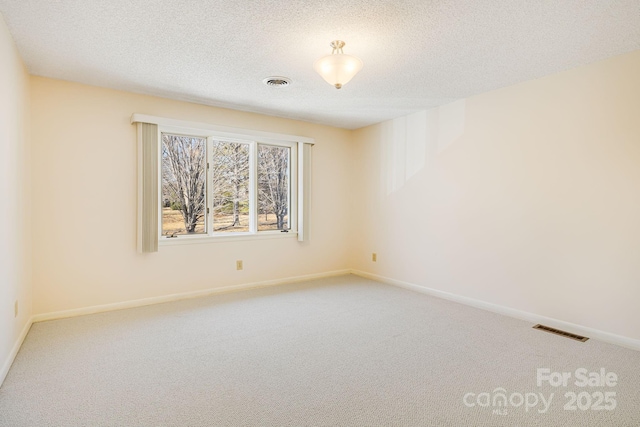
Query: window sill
[191,240]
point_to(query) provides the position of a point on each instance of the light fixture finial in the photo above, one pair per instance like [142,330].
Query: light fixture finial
[337,46]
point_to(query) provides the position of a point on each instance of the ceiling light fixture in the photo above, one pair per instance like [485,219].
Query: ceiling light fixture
[338,68]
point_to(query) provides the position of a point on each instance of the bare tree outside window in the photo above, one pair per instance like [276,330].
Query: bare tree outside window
[273,187]
[230,176]
[183,184]
[190,185]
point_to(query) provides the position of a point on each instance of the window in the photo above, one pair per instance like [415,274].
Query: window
[199,182]
[274,191]
[183,175]
[213,186]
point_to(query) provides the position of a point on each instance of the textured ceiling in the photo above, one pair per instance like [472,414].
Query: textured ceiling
[417,53]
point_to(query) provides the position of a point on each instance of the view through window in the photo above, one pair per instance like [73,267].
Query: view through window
[212,185]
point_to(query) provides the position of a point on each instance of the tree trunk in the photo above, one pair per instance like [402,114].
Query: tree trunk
[190,220]
[236,214]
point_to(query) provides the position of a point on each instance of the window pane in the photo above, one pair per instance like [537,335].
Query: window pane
[273,187]
[183,184]
[230,175]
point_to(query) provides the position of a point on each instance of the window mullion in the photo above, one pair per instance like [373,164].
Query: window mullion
[253,187]
[209,187]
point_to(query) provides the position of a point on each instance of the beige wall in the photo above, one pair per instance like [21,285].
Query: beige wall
[14,197]
[84,193]
[526,197]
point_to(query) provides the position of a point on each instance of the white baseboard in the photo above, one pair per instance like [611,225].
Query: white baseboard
[175,297]
[511,312]
[507,311]
[14,351]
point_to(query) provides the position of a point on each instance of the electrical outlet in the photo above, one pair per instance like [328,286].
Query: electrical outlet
[374,257]
[239,265]
[15,309]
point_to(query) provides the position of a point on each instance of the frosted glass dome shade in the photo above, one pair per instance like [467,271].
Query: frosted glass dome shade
[337,69]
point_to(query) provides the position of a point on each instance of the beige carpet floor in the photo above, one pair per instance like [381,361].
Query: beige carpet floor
[343,351]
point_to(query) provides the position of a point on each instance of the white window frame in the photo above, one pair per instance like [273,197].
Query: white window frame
[297,212]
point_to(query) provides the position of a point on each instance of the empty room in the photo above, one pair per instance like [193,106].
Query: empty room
[336,213]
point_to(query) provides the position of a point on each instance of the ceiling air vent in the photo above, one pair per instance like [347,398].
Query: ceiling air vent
[277,81]
[561,333]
